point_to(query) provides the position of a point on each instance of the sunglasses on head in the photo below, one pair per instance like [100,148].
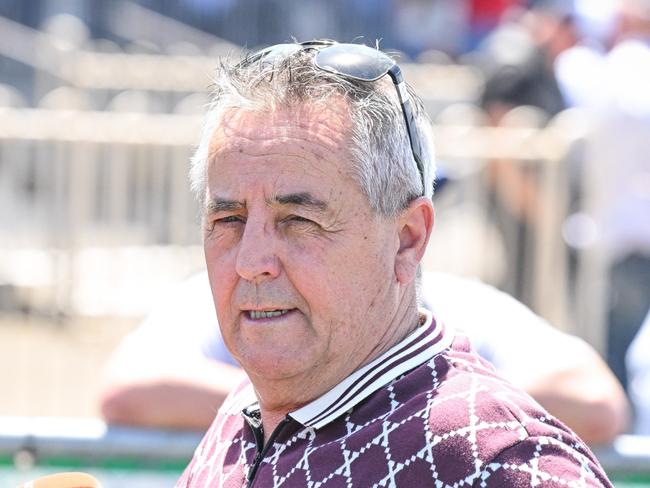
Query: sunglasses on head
[357,62]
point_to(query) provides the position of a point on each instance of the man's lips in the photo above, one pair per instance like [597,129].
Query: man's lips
[266,313]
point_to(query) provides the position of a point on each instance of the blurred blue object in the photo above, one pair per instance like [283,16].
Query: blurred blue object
[441,180]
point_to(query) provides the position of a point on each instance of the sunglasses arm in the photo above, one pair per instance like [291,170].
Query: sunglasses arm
[405,100]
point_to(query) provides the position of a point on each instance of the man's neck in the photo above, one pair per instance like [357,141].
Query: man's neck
[270,421]
[405,321]
[272,407]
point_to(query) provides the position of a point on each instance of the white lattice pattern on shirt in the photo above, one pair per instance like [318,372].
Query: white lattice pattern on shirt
[212,456]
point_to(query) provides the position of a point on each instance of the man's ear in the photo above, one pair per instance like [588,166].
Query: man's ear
[415,224]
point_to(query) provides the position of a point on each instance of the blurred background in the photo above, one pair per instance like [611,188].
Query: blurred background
[542,121]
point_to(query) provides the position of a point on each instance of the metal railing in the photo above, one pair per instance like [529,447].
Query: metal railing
[111,72]
[89,443]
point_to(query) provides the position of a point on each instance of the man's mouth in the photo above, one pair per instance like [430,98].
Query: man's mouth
[266,314]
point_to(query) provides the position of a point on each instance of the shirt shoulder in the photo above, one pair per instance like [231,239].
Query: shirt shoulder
[221,457]
[542,461]
[486,432]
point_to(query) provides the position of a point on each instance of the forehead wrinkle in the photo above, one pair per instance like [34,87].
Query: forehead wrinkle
[326,128]
[320,146]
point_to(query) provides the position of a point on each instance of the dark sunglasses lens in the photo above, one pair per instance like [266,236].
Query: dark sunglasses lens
[356,61]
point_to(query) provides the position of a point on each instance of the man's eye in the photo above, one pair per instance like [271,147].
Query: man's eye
[297,219]
[228,220]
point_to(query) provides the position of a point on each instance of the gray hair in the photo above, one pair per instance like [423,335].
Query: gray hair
[383,165]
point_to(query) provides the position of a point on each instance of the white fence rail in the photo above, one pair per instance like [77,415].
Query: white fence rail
[71,181]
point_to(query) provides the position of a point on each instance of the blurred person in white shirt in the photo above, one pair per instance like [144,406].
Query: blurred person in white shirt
[613,87]
[174,370]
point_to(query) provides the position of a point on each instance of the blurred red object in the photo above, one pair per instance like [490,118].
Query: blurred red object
[487,13]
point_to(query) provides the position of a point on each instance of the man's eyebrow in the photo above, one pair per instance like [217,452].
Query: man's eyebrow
[303,199]
[217,204]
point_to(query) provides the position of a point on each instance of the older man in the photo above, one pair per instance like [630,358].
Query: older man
[315,172]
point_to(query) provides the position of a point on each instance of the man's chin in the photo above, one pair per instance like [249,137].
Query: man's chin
[274,368]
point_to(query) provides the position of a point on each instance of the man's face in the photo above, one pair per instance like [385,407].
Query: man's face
[301,270]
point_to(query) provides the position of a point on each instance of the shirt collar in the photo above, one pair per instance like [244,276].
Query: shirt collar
[417,348]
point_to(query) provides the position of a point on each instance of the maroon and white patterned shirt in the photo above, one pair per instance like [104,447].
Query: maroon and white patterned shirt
[428,412]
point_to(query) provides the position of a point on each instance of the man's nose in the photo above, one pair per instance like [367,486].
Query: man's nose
[257,257]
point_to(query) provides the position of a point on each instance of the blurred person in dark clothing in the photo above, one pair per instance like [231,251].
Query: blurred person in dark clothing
[613,87]
[518,62]
[518,58]
[553,71]
[623,146]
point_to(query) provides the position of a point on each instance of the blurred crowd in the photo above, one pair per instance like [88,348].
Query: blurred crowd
[546,55]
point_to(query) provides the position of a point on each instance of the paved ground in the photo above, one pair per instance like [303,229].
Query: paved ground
[51,369]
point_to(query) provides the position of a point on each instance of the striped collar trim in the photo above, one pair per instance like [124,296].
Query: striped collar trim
[416,349]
